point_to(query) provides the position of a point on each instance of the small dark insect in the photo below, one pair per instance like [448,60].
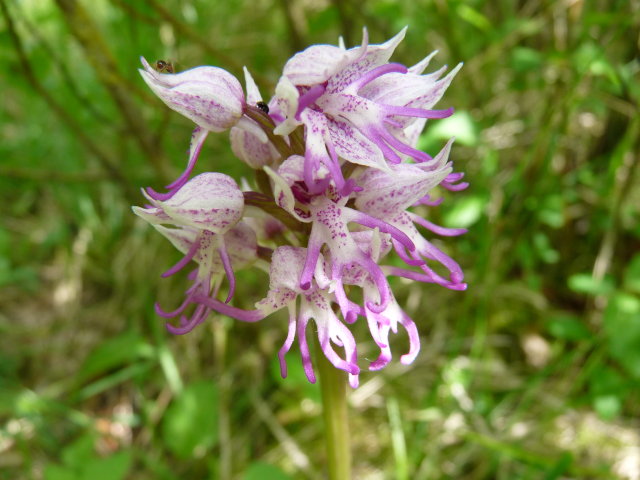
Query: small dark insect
[263,106]
[164,67]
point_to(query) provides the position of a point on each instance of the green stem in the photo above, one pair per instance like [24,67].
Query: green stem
[268,205]
[267,125]
[333,386]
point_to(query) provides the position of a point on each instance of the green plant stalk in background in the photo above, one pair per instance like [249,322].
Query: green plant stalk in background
[333,386]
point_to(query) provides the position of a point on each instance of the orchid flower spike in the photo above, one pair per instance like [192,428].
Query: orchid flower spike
[337,202]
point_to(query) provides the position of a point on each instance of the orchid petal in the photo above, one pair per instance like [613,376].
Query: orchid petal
[253,93]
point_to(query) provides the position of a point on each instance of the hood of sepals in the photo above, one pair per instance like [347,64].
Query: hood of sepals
[388,197]
[332,67]
[409,89]
[209,201]
[386,193]
[209,96]
[319,63]
[377,122]
[335,65]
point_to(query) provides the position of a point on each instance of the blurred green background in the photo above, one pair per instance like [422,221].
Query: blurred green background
[530,374]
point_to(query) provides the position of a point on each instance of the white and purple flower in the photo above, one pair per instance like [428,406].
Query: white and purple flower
[355,106]
[337,175]
[205,214]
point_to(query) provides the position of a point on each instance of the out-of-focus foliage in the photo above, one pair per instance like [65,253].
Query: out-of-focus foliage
[531,373]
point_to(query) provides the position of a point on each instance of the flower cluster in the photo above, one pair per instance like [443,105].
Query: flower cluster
[337,174]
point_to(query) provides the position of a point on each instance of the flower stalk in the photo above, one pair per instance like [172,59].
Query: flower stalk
[333,387]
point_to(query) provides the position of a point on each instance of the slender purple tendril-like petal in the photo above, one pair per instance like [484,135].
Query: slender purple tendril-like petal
[313,252]
[228,269]
[309,97]
[158,309]
[455,188]
[304,349]
[426,200]
[376,73]
[162,197]
[193,249]
[199,136]
[402,253]
[414,340]
[417,112]
[291,335]
[445,232]
[373,222]
[249,316]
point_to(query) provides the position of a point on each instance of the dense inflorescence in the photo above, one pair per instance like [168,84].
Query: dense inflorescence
[336,153]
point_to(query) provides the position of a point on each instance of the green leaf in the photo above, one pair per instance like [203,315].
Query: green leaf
[591,58]
[465,212]
[526,59]
[607,381]
[632,275]
[551,212]
[56,472]
[79,452]
[607,406]
[543,246]
[264,471]
[567,327]
[113,467]
[585,283]
[473,17]
[621,323]
[112,353]
[460,125]
[106,382]
[296,380]
[190,425]
[560,467]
